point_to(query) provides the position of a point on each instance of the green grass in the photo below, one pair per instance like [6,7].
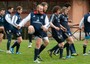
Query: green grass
[27,55]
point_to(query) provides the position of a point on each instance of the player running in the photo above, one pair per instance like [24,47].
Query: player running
[39,25]
[85,24]
[16,19]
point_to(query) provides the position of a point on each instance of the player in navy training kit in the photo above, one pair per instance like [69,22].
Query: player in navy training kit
[46,41]
[45,37]
[71,47]
[2,13]
[8,27]
[56,30]
[39,24]
[16,19]
[66,35]
[85,24]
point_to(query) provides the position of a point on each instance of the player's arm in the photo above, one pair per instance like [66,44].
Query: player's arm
[63,28]
[46,26]
[25,20]
[14,20]
[47,22]
[51,24]
[81,24]
[8,19]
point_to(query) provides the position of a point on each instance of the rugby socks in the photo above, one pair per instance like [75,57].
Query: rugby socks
[30,38]
[67,50]
[72,49]
[36,52]
[17,47]
[84,48]
[56,51]
[15,44]
[42,48]
[54,48]
[66,44]
[9,41]
[61,52]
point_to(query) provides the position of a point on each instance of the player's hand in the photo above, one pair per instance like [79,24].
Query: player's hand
[64,30]
[44,28]
[18,27]
[57,28]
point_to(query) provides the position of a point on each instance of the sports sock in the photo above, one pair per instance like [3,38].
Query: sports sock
[72,50]
[30,38]
[36,51]
[54,48]
[15,44]
[17,47]
[67,50]
[66,44]
[9,37]
[42,48]
[84,48]
[61,52]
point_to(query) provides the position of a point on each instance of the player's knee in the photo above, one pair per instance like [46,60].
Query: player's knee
[38,43]
[61,44]
[31,29]
[2,28]
[70,40]
[46,41]
[19,40]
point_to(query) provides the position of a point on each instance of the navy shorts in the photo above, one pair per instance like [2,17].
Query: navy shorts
[17,32]
[87,35]
[38,31]
[8,31]
[40,34]
[67,34]
[58,36]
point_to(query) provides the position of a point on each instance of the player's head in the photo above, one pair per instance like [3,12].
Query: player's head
[10,9]
[39,8]
[2,11]
[64,10]
[45,6]
[68,5]
[19,9]
[56,9]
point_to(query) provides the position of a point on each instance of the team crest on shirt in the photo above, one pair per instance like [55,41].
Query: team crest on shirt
[41,17]
[63,17]
[19,18]
[56,18]
[34,16]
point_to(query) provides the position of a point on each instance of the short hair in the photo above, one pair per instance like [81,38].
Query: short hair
[2,9]
[44,3]
[19,8]
[67,5]
[39,5]
[56,8]
[63,9]
[10,7]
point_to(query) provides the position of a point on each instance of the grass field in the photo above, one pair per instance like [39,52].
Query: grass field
[27,55]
